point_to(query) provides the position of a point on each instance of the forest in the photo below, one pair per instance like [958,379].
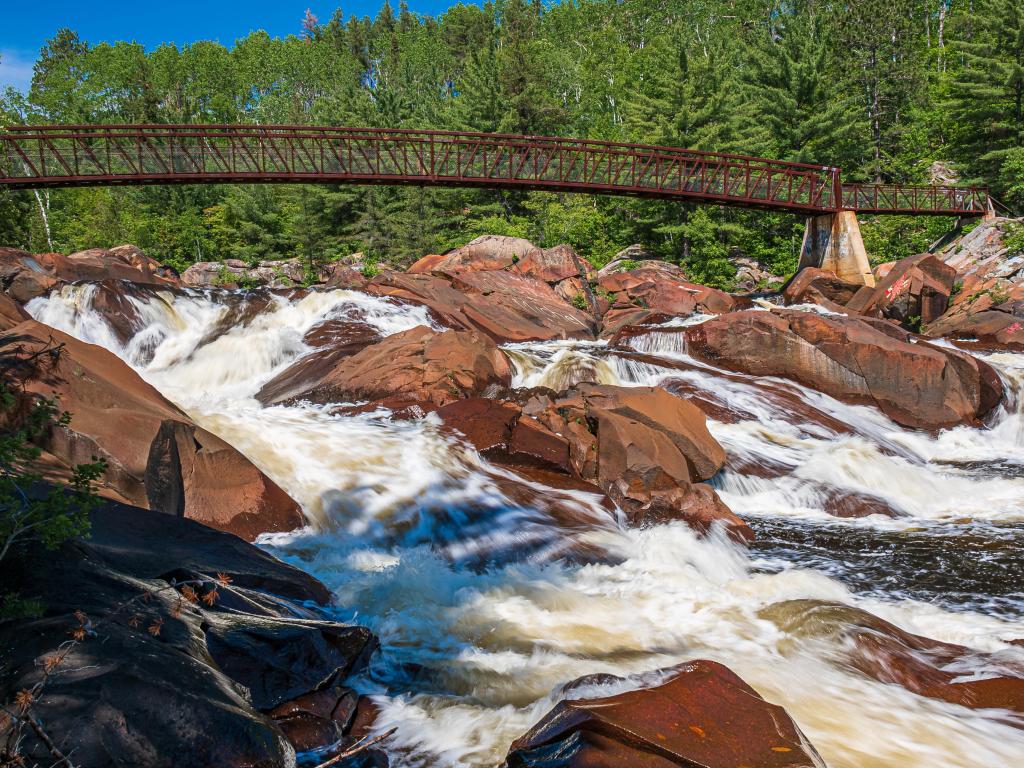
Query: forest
[890,90]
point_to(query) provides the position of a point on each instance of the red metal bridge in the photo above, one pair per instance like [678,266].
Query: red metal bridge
[33,157]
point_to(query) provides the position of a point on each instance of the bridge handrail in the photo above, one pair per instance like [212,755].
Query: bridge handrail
[253,130]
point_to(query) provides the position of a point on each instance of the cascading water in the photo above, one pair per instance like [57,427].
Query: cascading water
[480,617]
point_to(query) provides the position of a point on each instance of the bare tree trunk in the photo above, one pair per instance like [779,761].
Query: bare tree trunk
[943,10]
[44,215]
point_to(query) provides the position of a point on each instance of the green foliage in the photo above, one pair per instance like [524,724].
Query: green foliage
[579,301]
[869,86]
[891,238]
[1013,239]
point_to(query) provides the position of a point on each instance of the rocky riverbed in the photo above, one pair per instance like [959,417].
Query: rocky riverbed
[555,515]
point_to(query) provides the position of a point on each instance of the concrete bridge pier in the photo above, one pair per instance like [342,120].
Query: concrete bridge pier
[833,242]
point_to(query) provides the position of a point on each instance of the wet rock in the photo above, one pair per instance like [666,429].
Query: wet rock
[638,293]
[278,660]
[915,384]
[700,714]
[129,696]
[819,286]
[645,447]
[501,432]
[507,307]
[157,456]
[25,276]
[417,365]
[914,291]
[487,252]
[884,652]
[990,329]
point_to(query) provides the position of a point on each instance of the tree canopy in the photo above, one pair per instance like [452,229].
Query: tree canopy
[890,90]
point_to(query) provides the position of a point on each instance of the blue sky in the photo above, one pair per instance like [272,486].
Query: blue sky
[26,26]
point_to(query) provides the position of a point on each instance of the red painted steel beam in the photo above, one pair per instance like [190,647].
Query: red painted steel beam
[97,155]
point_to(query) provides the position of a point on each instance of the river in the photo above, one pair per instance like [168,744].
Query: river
[482,608]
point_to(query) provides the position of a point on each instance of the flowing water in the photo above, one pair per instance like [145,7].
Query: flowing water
[463,569]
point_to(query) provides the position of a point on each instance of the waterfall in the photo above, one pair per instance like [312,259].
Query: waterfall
[479,615]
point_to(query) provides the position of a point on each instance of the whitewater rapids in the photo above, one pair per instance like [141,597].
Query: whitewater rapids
[400,515]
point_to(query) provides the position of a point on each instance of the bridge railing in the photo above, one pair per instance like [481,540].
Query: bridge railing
[914,199]
[85,155]
[89,155]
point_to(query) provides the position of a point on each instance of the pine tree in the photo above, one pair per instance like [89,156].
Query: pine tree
[987,93]
[795,111]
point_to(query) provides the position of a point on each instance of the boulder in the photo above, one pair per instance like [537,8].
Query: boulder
[699,714]
[157,457]
[913,292]
[657,289]
[500,431]
[915,384]
[553,265]
[418,365]
[142,687]
[990,329]
[507,307]
[487,252]
[752,275]
[646,448]
[819,286]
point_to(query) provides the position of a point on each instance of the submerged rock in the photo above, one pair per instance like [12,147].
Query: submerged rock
[932,668]
[699,714]
[913,383]
[157,457]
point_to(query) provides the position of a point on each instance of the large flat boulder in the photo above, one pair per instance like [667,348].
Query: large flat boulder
[701,714]
[157,457]
[24,276]
[819,286]
[418,365]
[487,252]
[167,676]
[553,265]
[507,307]
[914,383]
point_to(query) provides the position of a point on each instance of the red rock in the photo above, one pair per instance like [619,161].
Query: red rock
[342,276]
[553,264]
[418,365]
[488,252]
[914,291]
[645,447]
[11,313]
[702,715]
[485,423]
[158,458]
[915,384]
[884,652]
[506,306]
[819,286]
[991,329]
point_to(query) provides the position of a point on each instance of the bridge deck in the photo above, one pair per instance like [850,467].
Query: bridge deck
[33,157]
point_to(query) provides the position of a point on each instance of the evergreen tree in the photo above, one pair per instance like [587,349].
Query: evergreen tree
[987,93]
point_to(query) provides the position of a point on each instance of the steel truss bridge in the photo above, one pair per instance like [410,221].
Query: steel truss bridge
[35,157]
